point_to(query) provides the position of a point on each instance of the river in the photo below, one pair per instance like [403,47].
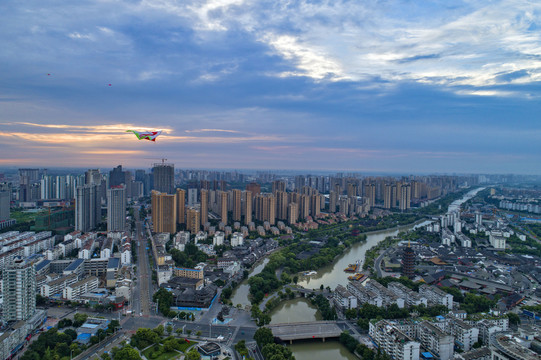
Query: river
[240,294]
[332,275]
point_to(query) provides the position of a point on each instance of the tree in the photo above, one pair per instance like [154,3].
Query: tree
[145,337]
[164,299]
[41,300]
[193,354]
[127,353]
[159,330]
[263,336]
[514,319]
[79,319]
[71,333]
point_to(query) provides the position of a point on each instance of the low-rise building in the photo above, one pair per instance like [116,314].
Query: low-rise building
[343,299]
[393,341]
[436,340]
[436,296]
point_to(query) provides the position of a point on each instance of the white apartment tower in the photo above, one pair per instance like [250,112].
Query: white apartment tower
[19,290]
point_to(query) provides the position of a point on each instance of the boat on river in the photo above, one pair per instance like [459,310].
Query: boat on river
[309,273]
[353,267]
[358,277]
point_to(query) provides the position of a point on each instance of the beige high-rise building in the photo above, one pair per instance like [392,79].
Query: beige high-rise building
[248,201]
[278,185]
[292,213]
[181,206]
[164,212]
[204,206]
[237,209]
[265,208]
[223,206]
[405,197]
[315,204]
[387,196]
[254,187]
[193,220]
[333,201]
[281,205]
[304,207]
[370,194]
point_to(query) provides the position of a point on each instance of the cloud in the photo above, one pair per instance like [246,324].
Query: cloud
[211,130]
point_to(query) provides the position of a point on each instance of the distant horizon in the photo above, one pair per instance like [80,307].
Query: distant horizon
[274,171]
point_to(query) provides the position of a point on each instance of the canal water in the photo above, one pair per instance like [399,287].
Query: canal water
[334,274]
[240,294]
[296,310]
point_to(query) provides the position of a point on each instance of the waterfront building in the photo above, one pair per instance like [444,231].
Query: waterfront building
[343,299]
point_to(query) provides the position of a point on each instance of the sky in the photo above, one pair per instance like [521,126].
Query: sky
[377,86]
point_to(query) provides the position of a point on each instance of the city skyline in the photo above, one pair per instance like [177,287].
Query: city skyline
[401,87]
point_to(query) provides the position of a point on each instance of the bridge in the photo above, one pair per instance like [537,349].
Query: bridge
[306,330]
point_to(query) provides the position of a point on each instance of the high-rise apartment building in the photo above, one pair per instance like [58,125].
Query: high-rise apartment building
[192,196]
[404,201]
[116,208]
[116,176]
[315,204]
[93,176]
[292,213]
[28,176]
[204,206]
[237,210]
[304,207]
[164,177]
[281,204]
[87,208]
[181,206]
[248,202]
[265,208]
[254,187]
[164,212]
[278,185]
[5,198]
[193,220]
[387,196]
[19,290]
[370,194]
[223,206]
[300,181]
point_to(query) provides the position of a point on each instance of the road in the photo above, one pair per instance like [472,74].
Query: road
[142,295]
